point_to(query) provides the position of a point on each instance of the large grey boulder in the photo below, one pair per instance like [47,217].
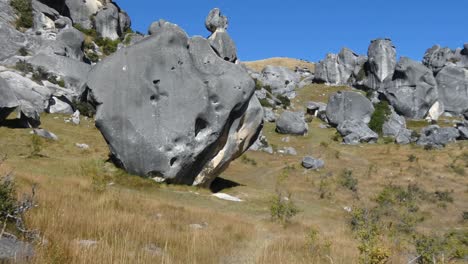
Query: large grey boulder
[434,136]
[291,123]
[125,22]
[381,62]
[437,57]
[413,89]
[11,40]
[216,21]
[337,69]
[394,124]
[107,22]
[347,105]
[27,91]
[69,43]
[281,80]
[355,132]
[453,89]
[170,106]
[8,100]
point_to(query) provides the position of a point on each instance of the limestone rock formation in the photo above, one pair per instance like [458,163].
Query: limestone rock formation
[413,89]
[355,132]
[348,106]
[8,100]
[174,110]
[281,80]
[107,22]
[291,123]
[312,163]
[453,89]
[437,57]
[337,69]
[434,136]
[381,62]
[220,40]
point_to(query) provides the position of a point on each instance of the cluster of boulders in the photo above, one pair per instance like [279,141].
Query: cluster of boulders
[416,90]
[44,68]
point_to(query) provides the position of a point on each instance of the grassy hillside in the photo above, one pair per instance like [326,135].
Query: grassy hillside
[285,62]
[412,191]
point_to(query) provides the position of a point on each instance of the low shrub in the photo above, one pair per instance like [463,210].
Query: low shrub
[107,45]
[85,108]
[284,101]
[380,116]
[23,51]
[348,181]
[24,10]
[282,208]
[24,67]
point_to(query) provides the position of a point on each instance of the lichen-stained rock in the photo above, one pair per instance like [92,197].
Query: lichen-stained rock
[242,134]
[434,136]
[355,132]
[8,100]
[413,89]
[453,89]
[79,11]
[381,62]
[350,106]
[170,105]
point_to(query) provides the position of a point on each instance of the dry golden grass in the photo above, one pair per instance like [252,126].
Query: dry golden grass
[81,197]
[285,62]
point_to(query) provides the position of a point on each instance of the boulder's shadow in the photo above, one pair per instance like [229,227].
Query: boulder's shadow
[220,184]
[14,123]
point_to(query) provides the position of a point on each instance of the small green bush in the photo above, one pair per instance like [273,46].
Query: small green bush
[36,146]
[282,208]
[24,67]
[444,196]
[92,56]
[380,116]
[89,32]
[7,197]
[436,249]
[40,74]
[348,181]
[85,108]
[107,45]
[412,158]
[245,159]
[23,51]
[23,9]
[284,101]
[264,102]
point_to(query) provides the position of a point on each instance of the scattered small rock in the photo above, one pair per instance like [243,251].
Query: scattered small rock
[75,118]
[312,163]
[154,250]
[227,197]
[12,249]
[85,243]
[199,226]
[45,134]
[82,145]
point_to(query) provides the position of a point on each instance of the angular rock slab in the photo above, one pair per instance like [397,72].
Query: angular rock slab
[8,100]
[169,107]
[346,105]
[413,89]
[453,89]
[291,123]
[381,62]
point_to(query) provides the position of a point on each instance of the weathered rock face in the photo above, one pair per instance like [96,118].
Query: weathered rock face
[107,22]
[437,57]
[69,43]
[381,62]
[437,137]
[281,80]
[11,41]
[312,163]
[394,124]
[291,123]
[81,11]
[453,89]
[355,132]
[242,134]
[350,106]
[216,21]
[171,107]
[8,100]
[220,40]
[223,45]
[337,69]
[412,90]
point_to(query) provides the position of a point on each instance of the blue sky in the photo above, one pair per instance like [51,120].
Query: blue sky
[308,29]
